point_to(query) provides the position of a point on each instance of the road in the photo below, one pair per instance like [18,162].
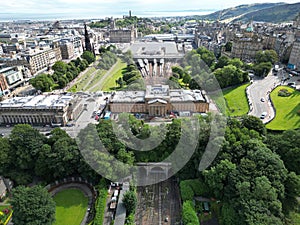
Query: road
[93,104]
[260,88]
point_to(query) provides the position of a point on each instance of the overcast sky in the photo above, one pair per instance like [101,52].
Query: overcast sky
[115,7]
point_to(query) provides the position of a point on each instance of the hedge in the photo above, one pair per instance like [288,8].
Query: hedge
[100,204]
[189,216]
[191,188]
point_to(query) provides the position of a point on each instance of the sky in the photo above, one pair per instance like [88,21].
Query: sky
[103,8]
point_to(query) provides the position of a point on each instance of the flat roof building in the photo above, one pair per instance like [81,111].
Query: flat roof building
[159,100]
[40,110]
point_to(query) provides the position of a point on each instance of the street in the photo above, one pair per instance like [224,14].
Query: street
[258,94]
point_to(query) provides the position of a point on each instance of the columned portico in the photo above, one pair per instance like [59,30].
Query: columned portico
[157,107]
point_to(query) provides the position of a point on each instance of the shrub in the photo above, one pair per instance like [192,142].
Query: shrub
[186,191]
[191,188]
[284,93]
[100,203]
[130,201]
[189,215]
[130,219]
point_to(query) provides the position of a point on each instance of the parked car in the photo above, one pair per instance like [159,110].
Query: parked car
[263,115]
[291,83]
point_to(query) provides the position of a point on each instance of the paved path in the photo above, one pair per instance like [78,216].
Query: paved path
[81,74]
[103,78]
[261,88]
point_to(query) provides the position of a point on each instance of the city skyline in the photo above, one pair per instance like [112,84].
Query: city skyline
[97,9]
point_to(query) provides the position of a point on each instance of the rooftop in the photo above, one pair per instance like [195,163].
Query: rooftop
[155,49]
[39,101]
[128,96]
[160,93]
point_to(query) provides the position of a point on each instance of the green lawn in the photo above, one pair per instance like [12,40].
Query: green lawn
[71,206]
[286,110]
[235,100]
[110,83]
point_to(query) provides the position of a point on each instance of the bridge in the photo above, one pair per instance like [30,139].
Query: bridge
[149,173]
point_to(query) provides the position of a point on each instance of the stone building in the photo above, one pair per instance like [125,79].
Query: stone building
[10,78]
[67,50]
[3,85]
[41,59]
[294,61]
[54,110]
[246,46]
[159,100]
[122,36]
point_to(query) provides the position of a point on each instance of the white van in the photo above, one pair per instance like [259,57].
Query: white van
[263,115]
[116,193]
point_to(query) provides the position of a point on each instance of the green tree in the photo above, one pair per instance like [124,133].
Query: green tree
[62,82]
[229,75]
[120,82]
[262,69]
[128,58]
[254,123]
[32,206]
[287,146]
[60,67]
[228,215]
[88,56]
[186,191]
[222,61]
[42,82]
[266,56]
[292,192]
[236,62]
[5,156]
[178,70]
[186,78]
[130,201]
[218,177]
[25,143]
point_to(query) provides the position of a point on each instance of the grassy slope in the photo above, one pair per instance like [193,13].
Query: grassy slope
[286,110]
[83,80]
[71,206]
[276,14]
[110,82]
[236,101]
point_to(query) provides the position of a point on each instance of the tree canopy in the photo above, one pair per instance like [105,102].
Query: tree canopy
[32,206]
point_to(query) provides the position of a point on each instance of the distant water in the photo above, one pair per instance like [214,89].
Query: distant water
[62,16]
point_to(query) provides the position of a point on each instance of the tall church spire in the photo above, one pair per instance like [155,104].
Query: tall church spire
[88,46]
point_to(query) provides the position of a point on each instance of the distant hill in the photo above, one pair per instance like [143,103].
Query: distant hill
[276,14]
[240,10]
[263,12]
